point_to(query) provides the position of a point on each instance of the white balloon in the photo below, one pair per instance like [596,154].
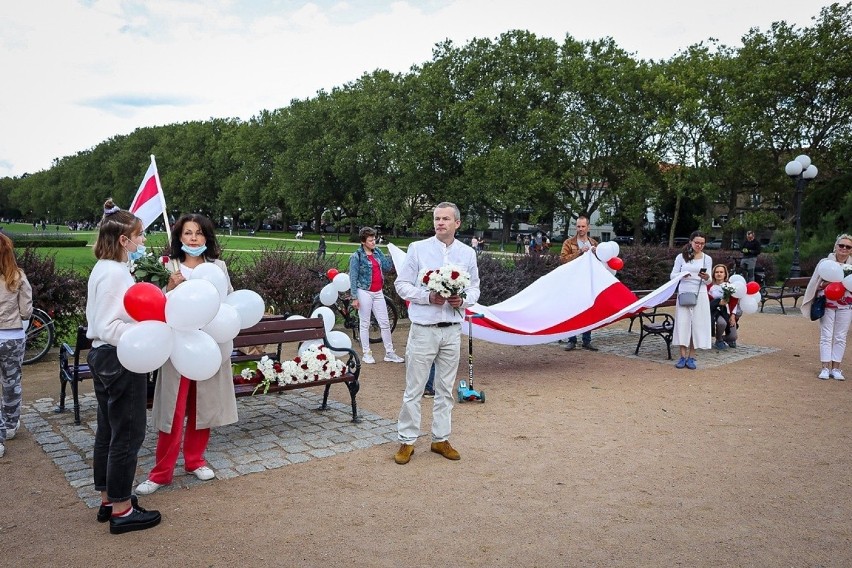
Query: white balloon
[341,282]
[328,295]
[308,344]
[740,291]
[192,305]
[339,341]
[225,326]
[296,317]
[213,274]
[606,251]
[847,282]
[196,355]
[830,271]
[226,348]
[749,304]
[145,346]
[327,317]
[736,278]
[248,304]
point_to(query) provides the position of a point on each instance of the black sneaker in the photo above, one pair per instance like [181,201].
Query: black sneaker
[105,511]
[590,347]
[136,521]
[429,393]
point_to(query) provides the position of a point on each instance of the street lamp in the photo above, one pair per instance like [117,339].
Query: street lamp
[801,170]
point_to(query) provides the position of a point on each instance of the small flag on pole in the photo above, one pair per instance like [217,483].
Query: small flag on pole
[150,202]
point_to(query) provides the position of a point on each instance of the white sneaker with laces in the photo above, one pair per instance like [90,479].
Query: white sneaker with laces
[12,432]
[836,374]
[2,450]
[147,487]
[203,473]
[824,374]
[368,358]
[393,358]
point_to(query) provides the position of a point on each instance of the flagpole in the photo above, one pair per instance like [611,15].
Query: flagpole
[165,211]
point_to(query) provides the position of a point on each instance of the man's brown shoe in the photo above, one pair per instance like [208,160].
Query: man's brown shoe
[403,454]
[445,449]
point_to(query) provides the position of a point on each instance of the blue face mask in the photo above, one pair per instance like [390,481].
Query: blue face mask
[136,254]
[194,251]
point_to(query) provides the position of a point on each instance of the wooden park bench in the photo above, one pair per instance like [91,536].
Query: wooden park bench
[654,322]
[791,288]
[270,334]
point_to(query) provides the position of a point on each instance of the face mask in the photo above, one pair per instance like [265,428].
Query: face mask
[194,251]
[136,254]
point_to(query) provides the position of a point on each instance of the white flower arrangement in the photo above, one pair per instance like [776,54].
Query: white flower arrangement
[316,363]
[446,281]
[728,290]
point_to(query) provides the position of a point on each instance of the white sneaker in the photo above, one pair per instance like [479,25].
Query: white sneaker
[2,450]
[824,374]
[203,473]
[147,487]
[368,358]
[836,374]
[12,432]
[393,358]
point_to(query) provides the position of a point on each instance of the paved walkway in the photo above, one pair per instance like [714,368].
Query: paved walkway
[274,431]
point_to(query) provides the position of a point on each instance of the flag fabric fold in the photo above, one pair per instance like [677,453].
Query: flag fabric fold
[149,202]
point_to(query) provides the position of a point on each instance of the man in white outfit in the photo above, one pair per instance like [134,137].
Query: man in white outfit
[435,334]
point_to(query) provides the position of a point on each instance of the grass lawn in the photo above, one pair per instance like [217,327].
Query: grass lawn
[82,259]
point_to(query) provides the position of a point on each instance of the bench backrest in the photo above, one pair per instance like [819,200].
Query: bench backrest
[276,329]
[797,282]
[83,343]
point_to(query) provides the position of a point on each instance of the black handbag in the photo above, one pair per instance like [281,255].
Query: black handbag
[817,308]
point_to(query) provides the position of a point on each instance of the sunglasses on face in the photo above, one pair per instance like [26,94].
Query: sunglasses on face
[847,247]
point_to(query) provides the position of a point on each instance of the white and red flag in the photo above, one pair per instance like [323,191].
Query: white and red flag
[150,202]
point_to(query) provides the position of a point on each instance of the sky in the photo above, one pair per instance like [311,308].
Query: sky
[78,72]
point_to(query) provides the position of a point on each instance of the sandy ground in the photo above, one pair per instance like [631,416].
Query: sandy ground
[576,459]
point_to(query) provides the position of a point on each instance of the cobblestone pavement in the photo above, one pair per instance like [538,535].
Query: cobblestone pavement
[274,431]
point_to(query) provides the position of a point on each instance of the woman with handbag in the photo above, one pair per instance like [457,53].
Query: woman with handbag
[837,314]
[692,309]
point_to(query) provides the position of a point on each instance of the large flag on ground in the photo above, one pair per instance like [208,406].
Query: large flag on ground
[149,202]
[575,297]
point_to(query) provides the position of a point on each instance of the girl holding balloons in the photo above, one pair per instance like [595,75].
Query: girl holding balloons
[203,404]
[121,393]
[830,279]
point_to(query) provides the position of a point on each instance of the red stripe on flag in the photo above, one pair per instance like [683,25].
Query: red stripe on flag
[147,193]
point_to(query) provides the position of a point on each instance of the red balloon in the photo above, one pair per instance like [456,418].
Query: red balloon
[835,291]
[615,263]
[144,301]
[752,288]
[332,272]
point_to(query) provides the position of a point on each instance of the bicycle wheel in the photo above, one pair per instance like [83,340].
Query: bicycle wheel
[393,316]
[39,338]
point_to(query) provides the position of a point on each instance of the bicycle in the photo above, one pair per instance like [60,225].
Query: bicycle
[39,336]
[343,308]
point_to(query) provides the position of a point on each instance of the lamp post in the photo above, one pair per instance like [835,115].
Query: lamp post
[801,170]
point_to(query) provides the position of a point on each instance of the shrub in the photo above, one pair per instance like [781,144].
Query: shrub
[59,292]
[502,277]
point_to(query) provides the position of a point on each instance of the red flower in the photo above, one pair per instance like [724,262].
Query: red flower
[455,275]
[426,276]
[322,357]
[165,259]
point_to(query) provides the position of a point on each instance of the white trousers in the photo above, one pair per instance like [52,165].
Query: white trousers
[833,329]
[427,344]
[373,302]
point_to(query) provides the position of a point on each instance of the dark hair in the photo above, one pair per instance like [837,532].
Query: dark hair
[213,249]
[365,233]
[688,251]
[115,222]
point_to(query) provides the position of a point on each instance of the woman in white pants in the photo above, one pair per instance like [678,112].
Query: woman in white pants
[834,324]
[366,281]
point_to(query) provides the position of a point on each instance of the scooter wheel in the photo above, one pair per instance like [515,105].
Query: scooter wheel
[461,398]
[481,396]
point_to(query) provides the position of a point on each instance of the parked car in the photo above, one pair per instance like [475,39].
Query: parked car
[623,240]
[296,227]
[716,244]
[771,247]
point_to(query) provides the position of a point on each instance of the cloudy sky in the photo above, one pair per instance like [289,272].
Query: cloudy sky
[77,72]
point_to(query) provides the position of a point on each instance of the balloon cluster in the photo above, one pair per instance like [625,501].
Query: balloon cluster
[193,325]
[607,252]
[834,273]
[747,293]
[339,282]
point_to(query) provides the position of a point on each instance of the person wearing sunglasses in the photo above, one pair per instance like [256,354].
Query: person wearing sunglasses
[834,324]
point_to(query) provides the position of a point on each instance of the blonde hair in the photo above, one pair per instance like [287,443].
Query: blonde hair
[114,223]
[843,237]
[8,265]
[713,274]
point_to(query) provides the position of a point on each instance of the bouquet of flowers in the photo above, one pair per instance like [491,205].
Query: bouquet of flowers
[728,290]
[316,363]
[847,269]
[447,281]
[151,269]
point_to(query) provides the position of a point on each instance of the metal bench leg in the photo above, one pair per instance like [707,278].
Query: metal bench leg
[61,406]
[354,387]
[74,392]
